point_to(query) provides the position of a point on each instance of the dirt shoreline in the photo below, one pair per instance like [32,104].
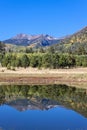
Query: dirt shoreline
[73,77]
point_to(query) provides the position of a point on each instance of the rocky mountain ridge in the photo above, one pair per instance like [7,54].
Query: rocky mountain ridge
[36,40]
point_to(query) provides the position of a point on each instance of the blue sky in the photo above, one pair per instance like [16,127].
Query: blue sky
[54,17]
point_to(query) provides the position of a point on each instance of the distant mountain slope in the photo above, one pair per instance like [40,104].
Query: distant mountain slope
[80,36]
[32,40]
[76,43]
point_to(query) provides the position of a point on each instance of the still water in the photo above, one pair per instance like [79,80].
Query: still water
[51,107]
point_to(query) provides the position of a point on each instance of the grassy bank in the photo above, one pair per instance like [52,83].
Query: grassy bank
[74,77]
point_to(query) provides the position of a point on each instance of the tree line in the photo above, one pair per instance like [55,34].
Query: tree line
[42,60]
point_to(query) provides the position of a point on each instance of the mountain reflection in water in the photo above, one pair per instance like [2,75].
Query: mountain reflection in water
[44,97]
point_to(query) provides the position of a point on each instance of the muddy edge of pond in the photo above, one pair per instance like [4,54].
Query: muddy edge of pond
[77,80]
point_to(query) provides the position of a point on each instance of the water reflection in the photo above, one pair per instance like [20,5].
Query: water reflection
[44,97]
[50,107]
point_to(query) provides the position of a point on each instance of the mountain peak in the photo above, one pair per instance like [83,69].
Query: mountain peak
[37,40]
[22,36]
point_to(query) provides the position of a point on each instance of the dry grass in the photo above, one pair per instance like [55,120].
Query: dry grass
[44,71]
[74,76]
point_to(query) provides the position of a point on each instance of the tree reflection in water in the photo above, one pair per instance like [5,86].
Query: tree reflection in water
[44,97]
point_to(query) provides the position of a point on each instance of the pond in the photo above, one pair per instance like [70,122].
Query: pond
[43,107]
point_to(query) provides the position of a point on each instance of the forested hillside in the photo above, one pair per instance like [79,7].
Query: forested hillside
[75,44]
[2,47]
